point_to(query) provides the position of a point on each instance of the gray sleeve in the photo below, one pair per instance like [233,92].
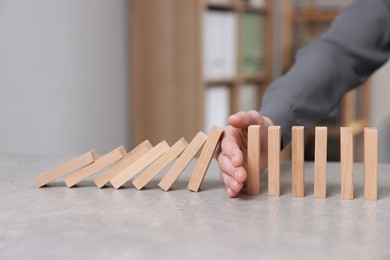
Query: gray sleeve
[357,43]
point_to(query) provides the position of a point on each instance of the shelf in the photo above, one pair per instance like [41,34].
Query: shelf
[237,7]
[315,15]
[220,81]
[254,78]
[249,8]
[222,6]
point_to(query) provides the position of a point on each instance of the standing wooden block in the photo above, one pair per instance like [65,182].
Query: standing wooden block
[370,163]
[121,165]
[70,166]
[346,162]
[132,170]
[98,165]
[205,158]
[182,162]
[298,162]
[274,146]
[160,164]
[253,160]
[321,136]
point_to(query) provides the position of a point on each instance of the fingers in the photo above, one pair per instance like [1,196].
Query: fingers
[233,187]
[226,167]
[244,119]
[230,147]
[233,177]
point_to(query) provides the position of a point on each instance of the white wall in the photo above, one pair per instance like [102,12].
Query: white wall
[64,84]
[380,112]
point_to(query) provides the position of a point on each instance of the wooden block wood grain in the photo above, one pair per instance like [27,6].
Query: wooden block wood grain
[298,161]
[121,165]
[274,146]
[346,162]
[160,164]
[98,165]
[132,170]
[182,162]
[370,163]
[68,167]
[253,159]
[320,157]
[205,158]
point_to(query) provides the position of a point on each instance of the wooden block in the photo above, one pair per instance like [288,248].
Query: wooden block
[121,165]
[160,163]
[68,167]
[274,146]
[370,163]
[298,162]
[205,158]
[346,162]
[98,165]
[132,170]
[320,157]
[253,160]
[182,162]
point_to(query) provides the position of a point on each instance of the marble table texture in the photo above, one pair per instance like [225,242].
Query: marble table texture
[84,222]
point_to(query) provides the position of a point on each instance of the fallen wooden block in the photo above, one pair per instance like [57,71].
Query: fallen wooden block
[181,163]
[274,145]
[132,170]
[121,165]
[346,162]
[98,165]
[253,159]
[205,158]
[68,167]
[298,162]
[320,158]
[160,164]
[370,163]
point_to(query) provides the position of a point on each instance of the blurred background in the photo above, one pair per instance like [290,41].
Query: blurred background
[78,75]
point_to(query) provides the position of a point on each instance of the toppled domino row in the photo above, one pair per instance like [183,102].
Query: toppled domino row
[144,158]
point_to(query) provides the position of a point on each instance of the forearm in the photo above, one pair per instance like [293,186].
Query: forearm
[357,43]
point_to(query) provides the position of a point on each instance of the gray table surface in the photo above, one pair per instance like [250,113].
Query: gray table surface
[86,222]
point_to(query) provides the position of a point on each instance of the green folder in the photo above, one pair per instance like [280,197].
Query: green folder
[252,44]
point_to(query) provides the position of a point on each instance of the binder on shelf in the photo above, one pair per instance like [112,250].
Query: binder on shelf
[217,106]
[219,44]
[252,44]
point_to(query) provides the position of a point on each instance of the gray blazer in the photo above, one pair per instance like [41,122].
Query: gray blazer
[357,43]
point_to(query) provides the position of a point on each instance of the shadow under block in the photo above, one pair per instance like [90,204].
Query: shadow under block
[182,162]
[321,135]
[253,160]
[99,164]
[298,160]
[274,160]
[370,164]
[205,158]
[127,160]
[160,164]
[346,162]
[63,169]
[132,170]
